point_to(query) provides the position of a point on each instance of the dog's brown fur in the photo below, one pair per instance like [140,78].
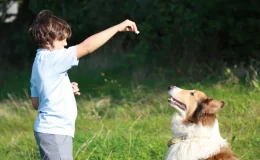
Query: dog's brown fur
[224,154]
[202,109]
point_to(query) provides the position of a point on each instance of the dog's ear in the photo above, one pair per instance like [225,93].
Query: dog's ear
[213,106]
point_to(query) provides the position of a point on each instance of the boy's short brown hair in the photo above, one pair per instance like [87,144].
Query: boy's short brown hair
[47,27]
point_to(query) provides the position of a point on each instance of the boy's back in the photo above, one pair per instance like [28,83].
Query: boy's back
[50,82]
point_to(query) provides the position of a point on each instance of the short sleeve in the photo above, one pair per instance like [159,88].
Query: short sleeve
[34,92]
[64,59]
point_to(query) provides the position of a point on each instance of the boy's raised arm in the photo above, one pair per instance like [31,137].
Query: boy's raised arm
[97,40]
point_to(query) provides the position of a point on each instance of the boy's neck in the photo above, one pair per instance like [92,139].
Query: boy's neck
[50,48]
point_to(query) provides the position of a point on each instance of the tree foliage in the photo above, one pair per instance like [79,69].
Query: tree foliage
[198,31]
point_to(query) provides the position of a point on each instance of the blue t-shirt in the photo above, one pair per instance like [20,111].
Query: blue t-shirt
[50,82]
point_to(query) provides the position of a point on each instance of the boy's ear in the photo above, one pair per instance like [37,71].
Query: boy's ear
[213,106]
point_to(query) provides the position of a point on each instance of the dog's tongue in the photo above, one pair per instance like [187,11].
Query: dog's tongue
[178,103]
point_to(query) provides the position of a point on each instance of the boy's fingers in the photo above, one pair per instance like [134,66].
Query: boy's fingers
[128,25]
[75,89]
[135,28]
[129,28]
[74,84]
[77,93]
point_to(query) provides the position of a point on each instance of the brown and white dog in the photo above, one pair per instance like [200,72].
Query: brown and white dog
[195,127]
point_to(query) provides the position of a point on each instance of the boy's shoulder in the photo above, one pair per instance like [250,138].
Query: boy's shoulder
[61,59]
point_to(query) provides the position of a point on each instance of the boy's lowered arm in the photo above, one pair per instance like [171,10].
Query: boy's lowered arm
[97,40]
[35,102]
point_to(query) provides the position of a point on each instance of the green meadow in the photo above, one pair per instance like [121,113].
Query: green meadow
[126,116]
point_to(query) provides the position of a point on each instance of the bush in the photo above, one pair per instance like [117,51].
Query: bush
[186,33]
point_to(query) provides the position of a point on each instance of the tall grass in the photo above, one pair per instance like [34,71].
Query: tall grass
[125,115]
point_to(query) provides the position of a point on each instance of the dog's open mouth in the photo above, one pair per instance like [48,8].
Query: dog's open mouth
[174,101]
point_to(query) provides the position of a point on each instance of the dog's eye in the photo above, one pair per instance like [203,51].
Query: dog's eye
[192,93]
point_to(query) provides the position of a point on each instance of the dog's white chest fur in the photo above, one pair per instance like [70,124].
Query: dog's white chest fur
[201,141]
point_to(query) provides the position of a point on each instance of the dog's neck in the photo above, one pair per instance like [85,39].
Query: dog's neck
[191,130]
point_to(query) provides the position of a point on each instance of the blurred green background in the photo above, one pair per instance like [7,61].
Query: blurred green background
[191,36]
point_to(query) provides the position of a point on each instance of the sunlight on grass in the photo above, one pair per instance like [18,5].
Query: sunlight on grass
[131,122]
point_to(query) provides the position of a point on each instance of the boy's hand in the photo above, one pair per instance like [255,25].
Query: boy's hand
[127,25]
[97,40]
[75,88]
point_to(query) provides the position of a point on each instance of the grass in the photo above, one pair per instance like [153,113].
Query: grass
[122,118]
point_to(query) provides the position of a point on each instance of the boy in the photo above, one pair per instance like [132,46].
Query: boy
[51,90]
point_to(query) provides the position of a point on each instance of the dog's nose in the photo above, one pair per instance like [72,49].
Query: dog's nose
[170,87]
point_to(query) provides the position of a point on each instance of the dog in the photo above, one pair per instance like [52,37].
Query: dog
[195,127]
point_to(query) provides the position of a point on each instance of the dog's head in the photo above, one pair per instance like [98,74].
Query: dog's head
[194,106]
